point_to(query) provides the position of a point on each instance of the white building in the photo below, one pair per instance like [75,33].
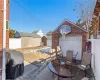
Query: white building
[39,32]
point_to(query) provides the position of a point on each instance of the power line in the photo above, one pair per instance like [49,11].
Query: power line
[30,14]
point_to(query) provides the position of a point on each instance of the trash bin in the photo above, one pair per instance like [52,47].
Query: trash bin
[14,64]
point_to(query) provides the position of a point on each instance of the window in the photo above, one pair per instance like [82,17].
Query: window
[7,25]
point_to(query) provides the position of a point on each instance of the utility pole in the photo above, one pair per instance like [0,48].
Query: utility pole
[4,42]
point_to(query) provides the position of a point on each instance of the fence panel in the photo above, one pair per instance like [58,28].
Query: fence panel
[14,43]
[96,58]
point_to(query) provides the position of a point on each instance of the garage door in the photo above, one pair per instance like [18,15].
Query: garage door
[49,43]
[71,43]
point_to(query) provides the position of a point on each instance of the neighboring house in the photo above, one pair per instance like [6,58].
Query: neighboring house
[1,25]
[75,39]
[47,39]
[49,33]
[28,39]
[39,32]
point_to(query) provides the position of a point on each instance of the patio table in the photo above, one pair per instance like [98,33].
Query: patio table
[62,70]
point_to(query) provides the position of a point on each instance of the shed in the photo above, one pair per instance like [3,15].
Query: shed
[75,39]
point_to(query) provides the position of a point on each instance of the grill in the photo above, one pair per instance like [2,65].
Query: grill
[14,64]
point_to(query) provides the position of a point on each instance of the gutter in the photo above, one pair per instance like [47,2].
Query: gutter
[4,42]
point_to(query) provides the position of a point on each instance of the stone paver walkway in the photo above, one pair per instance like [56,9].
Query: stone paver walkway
[32,70]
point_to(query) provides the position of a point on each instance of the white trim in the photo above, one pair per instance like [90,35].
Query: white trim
[69,22]
[4,42]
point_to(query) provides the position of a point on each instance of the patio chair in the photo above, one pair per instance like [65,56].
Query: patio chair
[69,57]
[74,57]
[85,63]
[15,64]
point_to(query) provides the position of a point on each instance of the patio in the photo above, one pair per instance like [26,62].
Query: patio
[47,75]
[33,72]
[36,67]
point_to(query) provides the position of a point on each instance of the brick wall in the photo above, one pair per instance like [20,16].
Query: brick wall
[84,39]
[1,25]
[1,31]
[7,31]
[7,40]
[74,31]
[55,39]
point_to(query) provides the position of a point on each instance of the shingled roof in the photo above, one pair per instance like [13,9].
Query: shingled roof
[26,34]
[35,31]
[49,33]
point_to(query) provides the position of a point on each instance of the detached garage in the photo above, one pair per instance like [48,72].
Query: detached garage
[69,36]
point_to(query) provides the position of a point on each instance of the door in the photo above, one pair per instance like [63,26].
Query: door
[71,43]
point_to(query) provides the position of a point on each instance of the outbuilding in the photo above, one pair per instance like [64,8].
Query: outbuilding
[69,36]
[28,39]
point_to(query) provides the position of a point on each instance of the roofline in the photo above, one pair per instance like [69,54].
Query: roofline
[69,22]
[59,25]
[37,31]
[28,36]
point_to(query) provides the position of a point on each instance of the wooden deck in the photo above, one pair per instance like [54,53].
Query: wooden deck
[35,57]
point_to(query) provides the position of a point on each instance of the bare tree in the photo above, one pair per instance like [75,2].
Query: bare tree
[84,9]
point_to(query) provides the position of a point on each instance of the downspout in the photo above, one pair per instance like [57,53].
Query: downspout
[4,42]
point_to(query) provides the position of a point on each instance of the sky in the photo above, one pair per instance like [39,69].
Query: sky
[45,15]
